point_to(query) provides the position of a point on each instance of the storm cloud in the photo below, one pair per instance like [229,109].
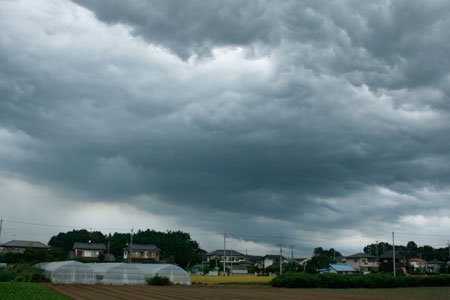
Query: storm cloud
[326,122]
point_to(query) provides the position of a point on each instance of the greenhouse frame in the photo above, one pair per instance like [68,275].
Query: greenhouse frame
[69,272]
[111,273]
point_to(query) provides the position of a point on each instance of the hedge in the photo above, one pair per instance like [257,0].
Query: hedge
[330,280]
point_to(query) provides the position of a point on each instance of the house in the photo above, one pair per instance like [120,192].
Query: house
[434,265]
[273,259]
[341,269]
[418,264]
[89,251]
[17,246]
[238,270]
[232,257]
[385,261]
[362,262]
[142,253]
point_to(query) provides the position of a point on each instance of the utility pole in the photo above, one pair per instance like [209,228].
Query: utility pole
[393,252]
[224,251]
[203,273]
[292,253]
[1,223]
[130,260]
[376,250]
[281,255]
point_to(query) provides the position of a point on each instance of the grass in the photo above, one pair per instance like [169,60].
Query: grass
[428,293]
[230,280]
[27,291]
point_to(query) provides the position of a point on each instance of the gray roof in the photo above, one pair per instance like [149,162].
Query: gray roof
[273,256]
[143,247]
[388,254]
[227,253]
[361,255]
[89,246]
[25,244]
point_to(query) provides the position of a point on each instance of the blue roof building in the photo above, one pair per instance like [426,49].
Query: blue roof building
[341,269]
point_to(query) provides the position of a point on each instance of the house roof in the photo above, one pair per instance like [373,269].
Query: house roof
[360,255]
[273,256]
[419,260]
[25,244]
[388,254]
[434,261]
[142,247]
[342,268]
[227,253]
[89,246]
[253,258]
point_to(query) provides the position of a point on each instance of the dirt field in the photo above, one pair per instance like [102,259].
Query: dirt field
[96,292]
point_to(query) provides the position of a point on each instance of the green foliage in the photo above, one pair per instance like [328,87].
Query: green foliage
[23,273]
[329,280]
[158,280]
[317,262]
[66,240]
[411,250]
[31,256]
[176,246]
[27,291]
[331,253]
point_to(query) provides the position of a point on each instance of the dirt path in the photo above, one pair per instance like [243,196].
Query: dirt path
[100,292]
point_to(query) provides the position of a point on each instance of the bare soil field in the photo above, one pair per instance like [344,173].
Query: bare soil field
[99,292]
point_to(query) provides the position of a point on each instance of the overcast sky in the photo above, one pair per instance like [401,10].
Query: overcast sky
[326,122]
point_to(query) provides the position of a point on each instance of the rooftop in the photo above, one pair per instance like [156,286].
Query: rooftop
[342,268]
[227,253]
[143,247]
[89,246]
[360,255]
[25,244]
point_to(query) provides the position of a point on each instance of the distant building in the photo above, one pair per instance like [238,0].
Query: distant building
[341,269]
[362,262]
[17,246]
[401,261]
[142,253]
[231,256]
[89,251]
[418,264]
[273,259]
[434,265]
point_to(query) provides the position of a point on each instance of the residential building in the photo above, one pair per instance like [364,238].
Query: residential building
[17,246]
[385,261]
[341,269]
[434,265]
[142,253]
[273,259]
[232,256]
[418,264]
[89,251]
[362,262]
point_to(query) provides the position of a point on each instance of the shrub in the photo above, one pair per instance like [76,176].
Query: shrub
[158,280]
[302,280]
[23,273]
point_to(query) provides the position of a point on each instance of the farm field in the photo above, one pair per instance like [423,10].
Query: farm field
[91,292]
[230,280]
[27,291]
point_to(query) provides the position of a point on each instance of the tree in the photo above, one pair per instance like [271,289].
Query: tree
[317,262]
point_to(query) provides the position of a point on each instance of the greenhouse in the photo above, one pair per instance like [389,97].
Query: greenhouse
[111,273]
[176,274]
[118,273]
[68,272]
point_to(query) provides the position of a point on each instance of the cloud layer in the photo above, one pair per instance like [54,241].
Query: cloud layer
[320,121]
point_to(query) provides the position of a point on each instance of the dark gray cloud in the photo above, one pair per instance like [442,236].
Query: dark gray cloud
[311,118]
